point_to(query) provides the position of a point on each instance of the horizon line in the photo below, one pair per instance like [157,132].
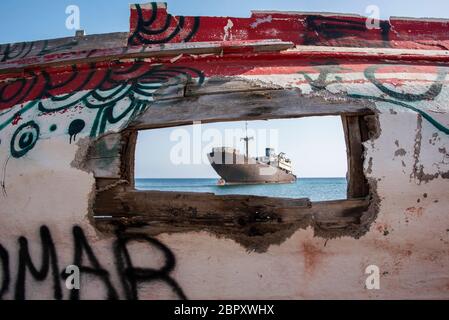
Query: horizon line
[220,178]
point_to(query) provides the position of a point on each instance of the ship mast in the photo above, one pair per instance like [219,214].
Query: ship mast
[247,139]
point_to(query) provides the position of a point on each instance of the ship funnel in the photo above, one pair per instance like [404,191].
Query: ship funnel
[269,152]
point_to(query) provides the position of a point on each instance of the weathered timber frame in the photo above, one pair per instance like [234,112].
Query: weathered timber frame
[247,219]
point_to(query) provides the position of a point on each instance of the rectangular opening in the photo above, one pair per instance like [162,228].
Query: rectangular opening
[287,158]
[323,139]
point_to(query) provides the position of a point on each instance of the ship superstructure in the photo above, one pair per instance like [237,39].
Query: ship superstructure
[236,168]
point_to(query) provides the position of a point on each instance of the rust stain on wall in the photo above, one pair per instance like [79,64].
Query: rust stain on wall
[415,212]
[313,257]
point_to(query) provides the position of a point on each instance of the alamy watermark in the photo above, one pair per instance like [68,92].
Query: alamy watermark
[373,17]
[73,21]
[73,278]
[202,146]
[372,282]
[193,147]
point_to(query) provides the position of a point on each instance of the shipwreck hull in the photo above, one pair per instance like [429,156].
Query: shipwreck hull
[249,171]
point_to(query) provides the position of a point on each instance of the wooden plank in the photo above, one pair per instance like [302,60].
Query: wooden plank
[237,106]
[184,205]
[128,155]
[48,52]
[89,49]
[357,184]
[106,189]
[177,88]
[338,214]
[178,212]
[103,156]
[219,85]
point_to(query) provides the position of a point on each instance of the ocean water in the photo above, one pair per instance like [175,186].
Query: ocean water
[316,189]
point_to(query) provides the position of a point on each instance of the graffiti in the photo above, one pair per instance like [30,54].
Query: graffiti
[331,28]
[14,51]
[3,177]
[96,270]
[62,47]
[405,97]
[425,115]
[26,263]
[24,49]
[151,24]
[324,71]
[106,86]
[401,99]
[53,128]
[4,257]
[130,276]
[154,29]
[24,139]
[76,126]
[430,94]
[116,96]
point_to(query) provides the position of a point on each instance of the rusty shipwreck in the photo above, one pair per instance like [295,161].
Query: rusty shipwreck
[236,168]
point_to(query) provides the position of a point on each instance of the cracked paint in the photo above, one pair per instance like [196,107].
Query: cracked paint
[227,31]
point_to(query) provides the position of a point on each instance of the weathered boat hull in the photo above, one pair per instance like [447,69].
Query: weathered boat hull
[70,110]
[247,171]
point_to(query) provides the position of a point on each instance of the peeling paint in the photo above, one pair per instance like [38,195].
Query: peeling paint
[417,148]
[400,153]
[260,21]
[369,170]
[227,31]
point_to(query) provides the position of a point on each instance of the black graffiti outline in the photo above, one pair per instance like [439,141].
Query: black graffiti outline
[334,28]
[45,50]
[3,178]
[324,71]
[81,245]
[130,276]
[139,90]
[31,76]
[25,262]
[6,278]
[24,149]
[434,90]
[23,49]
[20,53]
[75,127]
[425,115]
[144,27]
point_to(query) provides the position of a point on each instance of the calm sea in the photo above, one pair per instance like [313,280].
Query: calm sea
[316,189]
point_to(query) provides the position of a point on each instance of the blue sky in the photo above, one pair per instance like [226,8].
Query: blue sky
[316,145]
